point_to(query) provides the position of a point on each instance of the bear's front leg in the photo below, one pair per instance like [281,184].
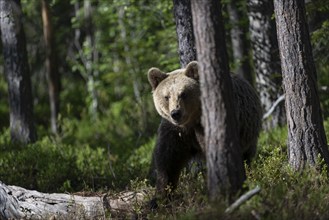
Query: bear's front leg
[174,148]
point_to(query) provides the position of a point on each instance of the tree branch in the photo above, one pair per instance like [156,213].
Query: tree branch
[242,199]
[324,89]
[275,104]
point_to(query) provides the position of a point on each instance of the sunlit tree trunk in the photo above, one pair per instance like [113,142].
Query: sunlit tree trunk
[184,30]
[51,66]
[240,45]
[126,35]
[266,58]
[91,58]
[17,72]
[306,136]
[128,60]
[224,158]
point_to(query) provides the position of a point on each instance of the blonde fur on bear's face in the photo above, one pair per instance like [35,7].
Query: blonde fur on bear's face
[176,95]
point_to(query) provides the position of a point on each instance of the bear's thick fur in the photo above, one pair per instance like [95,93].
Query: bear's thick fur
[176,97]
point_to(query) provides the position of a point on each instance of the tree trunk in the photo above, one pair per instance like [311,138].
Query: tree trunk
[128,60]
[240,45]
[223,153]
[91,58]
[51,66]
[187,53]
[17,72]
[184,30]
[20,203]
[306,136]
[266,58]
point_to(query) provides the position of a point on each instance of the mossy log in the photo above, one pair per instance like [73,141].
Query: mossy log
[19,203]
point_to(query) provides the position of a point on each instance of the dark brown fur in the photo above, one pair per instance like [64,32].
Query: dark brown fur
[177,144]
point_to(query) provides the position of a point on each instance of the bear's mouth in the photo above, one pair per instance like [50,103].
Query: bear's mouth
[175,122]
[179,122]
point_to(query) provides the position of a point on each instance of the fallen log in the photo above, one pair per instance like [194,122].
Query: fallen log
[19,203]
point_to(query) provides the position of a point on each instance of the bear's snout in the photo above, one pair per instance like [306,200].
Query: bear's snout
[176,114]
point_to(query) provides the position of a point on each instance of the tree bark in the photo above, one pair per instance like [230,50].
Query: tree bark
[223,153]
[184,30]
[20,203]
[187,53]
[306,135]
[266,58]
[17,73]
[240,45]
[51,66]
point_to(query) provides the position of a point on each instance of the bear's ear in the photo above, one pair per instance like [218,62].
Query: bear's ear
[192,70]
[155,76]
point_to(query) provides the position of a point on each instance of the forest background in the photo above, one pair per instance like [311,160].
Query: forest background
[107,122]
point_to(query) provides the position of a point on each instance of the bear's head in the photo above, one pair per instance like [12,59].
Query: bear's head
[176,95]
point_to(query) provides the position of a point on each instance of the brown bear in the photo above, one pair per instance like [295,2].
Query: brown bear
[176,97]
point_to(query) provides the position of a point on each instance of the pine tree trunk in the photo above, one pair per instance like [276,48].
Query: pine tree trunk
[17,72]
[306,135]
[51,66]
[187,53]
[240,45]
[224,160]
[266,58]
[184,30]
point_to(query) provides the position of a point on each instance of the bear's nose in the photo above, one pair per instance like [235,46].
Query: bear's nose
[176,114]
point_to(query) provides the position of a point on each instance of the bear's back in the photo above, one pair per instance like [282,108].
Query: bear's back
[249,113]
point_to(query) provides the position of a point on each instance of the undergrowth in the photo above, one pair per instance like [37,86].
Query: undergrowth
[71,162]
[285,194]
[59,164]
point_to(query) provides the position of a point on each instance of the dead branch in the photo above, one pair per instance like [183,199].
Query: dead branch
[242,199]
[324,89]
[275,104]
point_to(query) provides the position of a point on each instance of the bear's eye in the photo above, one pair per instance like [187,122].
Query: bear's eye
[183,95]
[167,97]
